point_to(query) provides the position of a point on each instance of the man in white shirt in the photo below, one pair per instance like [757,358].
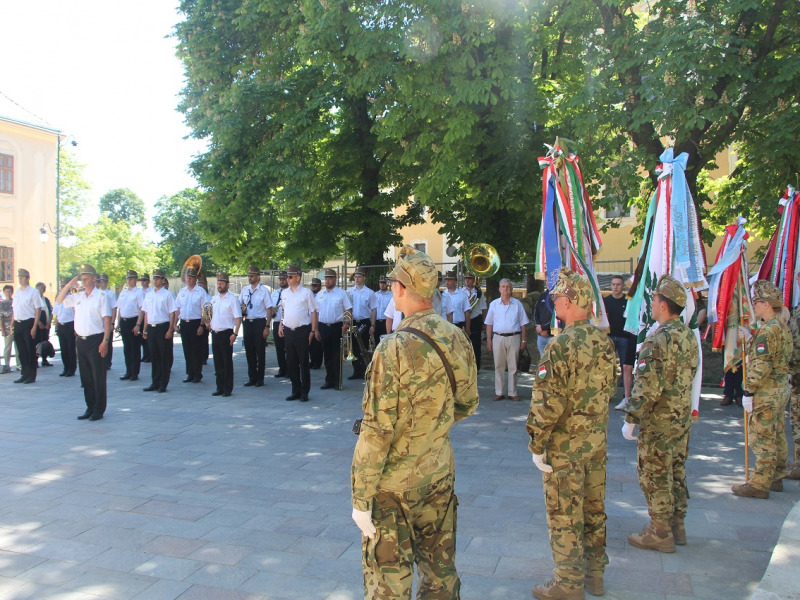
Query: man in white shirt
[93,326]
[333,303]
[459,302]
[505,334]
[102,284]
[280,343]
[393,317]
[27,305]
[315,354]
[146,289]
[129,311]
[441,303]
[477,300]
[225,322]
[189,302]
[160,315]
[298,325]
[365,307]
[257,300]
[65,330]
[383,296]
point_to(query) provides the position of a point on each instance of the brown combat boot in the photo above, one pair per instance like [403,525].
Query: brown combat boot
[777,486]
[553,590]
[792,471]
[594,584]
[745,490]
[678,530]
[655,536]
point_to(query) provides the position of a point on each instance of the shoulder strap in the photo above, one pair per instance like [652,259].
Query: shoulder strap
[450,375]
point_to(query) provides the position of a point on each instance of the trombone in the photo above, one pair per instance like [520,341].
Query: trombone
[346,347]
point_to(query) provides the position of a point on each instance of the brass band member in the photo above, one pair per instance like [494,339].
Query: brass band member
[364,315]
[257,299]
[298,326]
[225,322]
[129,305]
[27,306]
[190,303]
[333,303]
[160,314]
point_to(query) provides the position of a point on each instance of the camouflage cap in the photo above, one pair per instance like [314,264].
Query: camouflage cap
[131,274]
[253,270]
[223,277]
[416,271]
[574,286]
[330,273]
[23,273]
[765,291]
[670,288]
[102,277]
[87,270]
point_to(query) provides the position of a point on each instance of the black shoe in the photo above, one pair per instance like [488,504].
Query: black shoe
[259,384]
[327,386]
[95,417]
[279,375]
[62,374]
[304,398]
[293,397]
[30,380]
[188,380]
[70,374]
[226,395]
[355,376]
[162,390]
[46,364]
[125,377]
[150,388]
[21,380]
[216,393]
[145,360]
[197,380]
[133,377]
[84,416]
[250,384]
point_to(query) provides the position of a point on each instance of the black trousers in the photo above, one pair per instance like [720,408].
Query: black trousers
[315,354]
[145,352]
[192,348]
[93,373]
[360,365]
[160,354]
[331,334]
[475,330]
[205,344]
[42,335]
[280,349]
[131,346]
[66,340]
[26,348]
[380,329]
[110,353]
[297,358]
[255,348]
[223,359]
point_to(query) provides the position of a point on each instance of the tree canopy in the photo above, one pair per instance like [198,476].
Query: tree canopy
[177,221]
[122,204]
[73,191]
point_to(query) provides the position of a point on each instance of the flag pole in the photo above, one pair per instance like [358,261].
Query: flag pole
[744,383]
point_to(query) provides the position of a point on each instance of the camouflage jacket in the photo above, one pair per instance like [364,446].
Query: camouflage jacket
[409,408]
[768,354]
[661,399]
[576,379]
[794,327]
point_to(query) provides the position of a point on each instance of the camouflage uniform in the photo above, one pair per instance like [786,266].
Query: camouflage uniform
[768,355]
[794,379]
[403,468]
[661,404]
[568,420]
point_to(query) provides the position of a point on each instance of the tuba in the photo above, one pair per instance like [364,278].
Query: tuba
[482,260]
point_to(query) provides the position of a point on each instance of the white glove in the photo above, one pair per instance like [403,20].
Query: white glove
[744,333]
[747,403]
[538,460]
[627,431]
[363,519]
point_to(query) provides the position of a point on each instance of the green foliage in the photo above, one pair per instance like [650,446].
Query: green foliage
[123,205]
[177,221]
[111,247]
[73,190]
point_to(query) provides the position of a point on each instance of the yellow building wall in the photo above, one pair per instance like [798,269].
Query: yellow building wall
[33,201]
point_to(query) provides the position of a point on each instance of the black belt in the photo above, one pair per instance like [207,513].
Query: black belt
[380,320]
[218,331]
[189,320]
[129,318]
[88,337]
[257,319]
[337,324]
[507,334]
[296,328]
[151,325]
[23,320]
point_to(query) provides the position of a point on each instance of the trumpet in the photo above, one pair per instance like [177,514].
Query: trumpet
[346,347]
[366,352]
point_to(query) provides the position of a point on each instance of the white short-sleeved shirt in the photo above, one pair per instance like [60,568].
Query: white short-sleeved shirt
[112,298]
[459,302]
[383,298]
[159,305]
[392,313]
[364,302]
[64,314]
[90,310]
[506,318]
[258,301]
[25,302]
[190,302]
[297,306]
[481,304]
[277,298]
[332,304]
[226,309]
[441,304]
[130,302]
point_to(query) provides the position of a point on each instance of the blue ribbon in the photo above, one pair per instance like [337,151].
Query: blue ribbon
[679,210]
[552,246]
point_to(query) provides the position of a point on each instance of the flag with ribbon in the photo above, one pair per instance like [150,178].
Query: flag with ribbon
[568,236]
[671,245]
[782,260]
[729,304]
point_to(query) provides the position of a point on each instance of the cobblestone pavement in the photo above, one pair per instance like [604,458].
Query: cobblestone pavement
[186,496]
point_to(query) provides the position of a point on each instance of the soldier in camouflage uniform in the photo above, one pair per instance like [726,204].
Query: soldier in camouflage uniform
[403,469]
[793,470]
[567,426]
[767,392]
[661,405]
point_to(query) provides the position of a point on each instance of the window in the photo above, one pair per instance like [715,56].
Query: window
[6,174]
[421,247]
[617,211]
[6,264]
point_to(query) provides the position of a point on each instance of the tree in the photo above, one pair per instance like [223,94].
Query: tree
[123,205]
[72,192]
[177,221]
[111,247]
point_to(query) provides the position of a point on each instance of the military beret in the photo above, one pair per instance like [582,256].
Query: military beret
[416,271]
[159,273]
[87,270]
[450,275]
[145,277]
[574,286]
[102,277]
[191,272]
[765,291]
[330,273]
[23,273]
[292,270]
[131,274]
[282,275]
[316,281]
[253,270]
[670,288]
[359,271]
[223,277]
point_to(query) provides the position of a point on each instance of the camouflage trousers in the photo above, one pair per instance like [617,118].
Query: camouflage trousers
[768,437]
[662,473]
[794,416]
[575,498]
[417,526]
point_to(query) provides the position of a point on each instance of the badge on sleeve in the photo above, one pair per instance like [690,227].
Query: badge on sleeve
[641,365]
[761,348]
[542,371]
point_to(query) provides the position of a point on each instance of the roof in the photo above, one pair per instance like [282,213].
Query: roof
[13,112]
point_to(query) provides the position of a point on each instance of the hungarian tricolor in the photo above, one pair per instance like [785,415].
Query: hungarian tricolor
[782,260]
